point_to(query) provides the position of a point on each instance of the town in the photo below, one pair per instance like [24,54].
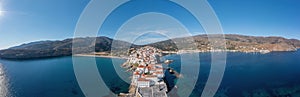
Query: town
[148,73]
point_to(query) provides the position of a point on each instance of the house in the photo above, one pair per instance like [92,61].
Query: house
[142,82]
[135,76]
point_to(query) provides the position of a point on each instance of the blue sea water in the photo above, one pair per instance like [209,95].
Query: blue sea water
[275,74]
[246,75]
[53,77]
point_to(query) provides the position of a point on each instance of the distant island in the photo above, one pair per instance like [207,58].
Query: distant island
[199,43]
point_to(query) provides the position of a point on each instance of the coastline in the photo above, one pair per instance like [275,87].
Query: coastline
[241,51]
[164,52]
[205,51]
[90,55]
[185,51]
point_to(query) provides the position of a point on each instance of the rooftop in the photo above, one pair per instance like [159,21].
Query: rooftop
[143,79]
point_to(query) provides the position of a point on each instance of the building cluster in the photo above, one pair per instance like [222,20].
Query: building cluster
[148,73]
[145,55]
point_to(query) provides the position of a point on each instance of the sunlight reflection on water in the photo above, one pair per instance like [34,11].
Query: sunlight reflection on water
[4,92]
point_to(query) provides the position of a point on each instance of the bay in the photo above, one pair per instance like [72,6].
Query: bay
[246,74]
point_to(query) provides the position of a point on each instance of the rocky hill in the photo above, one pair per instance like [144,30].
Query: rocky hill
[233,43]
[199,43]
[43,49]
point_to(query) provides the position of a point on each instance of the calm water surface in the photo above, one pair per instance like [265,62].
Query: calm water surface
[246,75]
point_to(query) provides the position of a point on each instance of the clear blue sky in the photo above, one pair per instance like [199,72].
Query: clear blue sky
[23,21]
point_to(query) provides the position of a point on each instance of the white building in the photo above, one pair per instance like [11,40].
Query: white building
[159,74]
[135,77]
[140,68]
[142,82]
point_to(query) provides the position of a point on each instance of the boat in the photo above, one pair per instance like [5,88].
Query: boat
[168,61]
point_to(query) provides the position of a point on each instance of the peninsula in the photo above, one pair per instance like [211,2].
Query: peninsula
[148,73]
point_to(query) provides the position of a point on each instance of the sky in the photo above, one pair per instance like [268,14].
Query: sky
[24,21]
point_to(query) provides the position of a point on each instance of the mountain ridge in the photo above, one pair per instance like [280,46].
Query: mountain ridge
[200,43]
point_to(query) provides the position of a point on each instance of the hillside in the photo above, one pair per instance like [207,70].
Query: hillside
[44,49]
[233,43]
[199,43]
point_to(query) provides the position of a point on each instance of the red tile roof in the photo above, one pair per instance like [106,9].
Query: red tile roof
[141,66]
[143,79]
[136,73]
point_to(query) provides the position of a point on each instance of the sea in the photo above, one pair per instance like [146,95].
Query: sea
[275,74]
